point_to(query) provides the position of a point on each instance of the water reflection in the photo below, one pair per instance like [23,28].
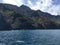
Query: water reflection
[30,37]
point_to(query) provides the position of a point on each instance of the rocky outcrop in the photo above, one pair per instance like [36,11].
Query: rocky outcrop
[4,25]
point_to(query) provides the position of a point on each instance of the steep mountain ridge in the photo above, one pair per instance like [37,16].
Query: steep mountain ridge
[24,18]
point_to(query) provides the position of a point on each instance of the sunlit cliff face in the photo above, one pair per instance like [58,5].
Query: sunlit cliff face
[50,6]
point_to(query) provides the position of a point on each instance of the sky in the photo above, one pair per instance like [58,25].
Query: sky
[50,6]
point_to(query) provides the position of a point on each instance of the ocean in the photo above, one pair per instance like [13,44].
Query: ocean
[30,37]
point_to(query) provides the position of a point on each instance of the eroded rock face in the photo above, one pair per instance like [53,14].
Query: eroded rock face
[3,24]
[18,21]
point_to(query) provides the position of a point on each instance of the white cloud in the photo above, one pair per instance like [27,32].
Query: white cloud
[40,4]
[19,2]
[33,6]
[1,1]
[46,6]
[54,10]
[29,2]
[14,2]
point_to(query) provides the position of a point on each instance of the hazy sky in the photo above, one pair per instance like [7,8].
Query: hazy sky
[50,6]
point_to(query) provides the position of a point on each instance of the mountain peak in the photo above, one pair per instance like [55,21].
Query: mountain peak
[25,7]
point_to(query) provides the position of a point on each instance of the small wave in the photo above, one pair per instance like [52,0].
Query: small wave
[20,41]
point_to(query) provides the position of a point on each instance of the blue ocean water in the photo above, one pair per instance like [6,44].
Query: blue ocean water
[30,37]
